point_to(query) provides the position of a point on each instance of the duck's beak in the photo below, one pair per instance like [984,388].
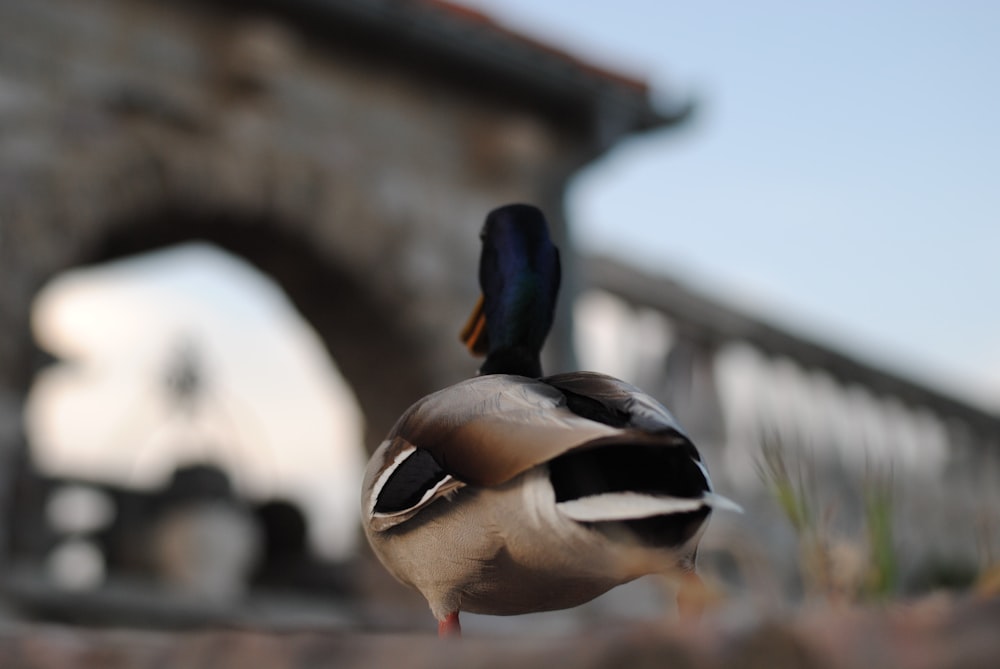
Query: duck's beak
[473,335]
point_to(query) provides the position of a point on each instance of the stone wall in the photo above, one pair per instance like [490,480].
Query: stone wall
[116,113]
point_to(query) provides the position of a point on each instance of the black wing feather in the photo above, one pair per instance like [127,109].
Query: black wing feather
[408,484]
[650,469]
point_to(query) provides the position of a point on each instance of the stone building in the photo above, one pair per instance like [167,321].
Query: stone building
[350,150]
[349,145]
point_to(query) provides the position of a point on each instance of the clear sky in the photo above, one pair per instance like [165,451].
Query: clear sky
[842,176]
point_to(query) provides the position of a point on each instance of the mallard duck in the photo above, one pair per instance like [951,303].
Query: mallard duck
[513,492]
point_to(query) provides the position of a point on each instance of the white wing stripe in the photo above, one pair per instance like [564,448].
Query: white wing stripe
[384,476]
[632,505]
[423,500]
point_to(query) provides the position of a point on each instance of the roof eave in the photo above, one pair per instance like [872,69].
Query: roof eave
[462,43]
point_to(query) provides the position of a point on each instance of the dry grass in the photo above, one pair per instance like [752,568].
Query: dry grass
[836,568]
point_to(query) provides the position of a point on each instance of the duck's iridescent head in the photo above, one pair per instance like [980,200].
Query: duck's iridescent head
[519,275]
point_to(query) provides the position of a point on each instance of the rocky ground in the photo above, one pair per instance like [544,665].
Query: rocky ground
[939,631]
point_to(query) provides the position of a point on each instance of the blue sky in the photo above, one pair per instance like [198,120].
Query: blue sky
[842,176]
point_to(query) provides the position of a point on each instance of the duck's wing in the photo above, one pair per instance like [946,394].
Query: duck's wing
[614,402]
[483,431]
[649,477]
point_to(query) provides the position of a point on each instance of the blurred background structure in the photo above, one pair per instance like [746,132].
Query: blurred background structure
[237,240]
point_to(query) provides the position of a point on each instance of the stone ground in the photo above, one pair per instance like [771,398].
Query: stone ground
[939,631]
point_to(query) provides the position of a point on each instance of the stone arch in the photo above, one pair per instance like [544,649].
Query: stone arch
[163,187]
[377,357]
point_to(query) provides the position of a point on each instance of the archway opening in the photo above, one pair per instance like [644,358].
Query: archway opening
[183,376]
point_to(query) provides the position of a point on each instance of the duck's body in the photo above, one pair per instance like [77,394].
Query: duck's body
[507,493]
[506,532]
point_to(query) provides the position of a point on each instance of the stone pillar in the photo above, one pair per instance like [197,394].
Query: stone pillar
[12,443]
[690,391]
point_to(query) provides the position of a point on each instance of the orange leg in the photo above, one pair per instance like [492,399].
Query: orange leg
[692,596]
[449,627]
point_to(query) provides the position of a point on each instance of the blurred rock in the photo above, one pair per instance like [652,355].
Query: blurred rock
[937,632]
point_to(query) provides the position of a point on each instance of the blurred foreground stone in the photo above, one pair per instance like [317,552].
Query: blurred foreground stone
[936,632]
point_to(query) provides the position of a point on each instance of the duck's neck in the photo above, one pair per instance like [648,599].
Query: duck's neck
[520,291]
[519,361]
[519,275]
